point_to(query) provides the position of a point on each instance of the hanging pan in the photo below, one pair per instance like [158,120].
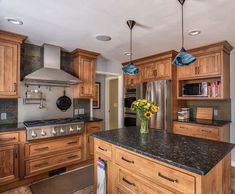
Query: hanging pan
[63,102]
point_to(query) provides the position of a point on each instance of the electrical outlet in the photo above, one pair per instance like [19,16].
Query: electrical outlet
[81,111]
[3,116]
[76,111]
[215,112]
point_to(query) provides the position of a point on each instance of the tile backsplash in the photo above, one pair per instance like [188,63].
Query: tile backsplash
[223,107]
[9,106]
[82,104]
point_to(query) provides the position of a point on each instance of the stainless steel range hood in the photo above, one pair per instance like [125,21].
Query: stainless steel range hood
[51,74]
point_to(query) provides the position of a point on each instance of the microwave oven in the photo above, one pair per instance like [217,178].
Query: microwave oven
[195,89]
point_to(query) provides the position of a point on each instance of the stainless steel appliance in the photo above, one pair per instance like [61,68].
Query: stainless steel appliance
[129,115]
[195,89]
[41,129]
[158,92]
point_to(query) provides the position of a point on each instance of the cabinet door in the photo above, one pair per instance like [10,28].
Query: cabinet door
[91,128]
[209,65]
[8,163]
[150,72]
[163,69]
[188,71]
[88,76]
[8,69]
[129,81]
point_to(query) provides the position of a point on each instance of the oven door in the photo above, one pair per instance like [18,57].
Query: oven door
[128,101]
[129,119]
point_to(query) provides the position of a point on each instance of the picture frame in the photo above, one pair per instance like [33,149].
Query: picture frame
[96,99]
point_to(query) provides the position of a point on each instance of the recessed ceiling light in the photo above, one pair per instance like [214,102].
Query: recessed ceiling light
[194,32]
[13,21]
[127,53]
[102,37]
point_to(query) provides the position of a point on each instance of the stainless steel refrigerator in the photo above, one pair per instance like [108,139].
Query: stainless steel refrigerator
[158,92]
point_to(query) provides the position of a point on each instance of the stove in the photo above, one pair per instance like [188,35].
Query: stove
[41,129]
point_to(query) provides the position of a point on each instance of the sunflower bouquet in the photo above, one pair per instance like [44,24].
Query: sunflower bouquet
[145,110]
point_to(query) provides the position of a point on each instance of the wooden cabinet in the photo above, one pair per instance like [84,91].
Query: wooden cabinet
[45,155]
[91,127]
[203,131]
[129,172]
[155,67]
[212,66]
[85,69]
[9,64]
[9,157]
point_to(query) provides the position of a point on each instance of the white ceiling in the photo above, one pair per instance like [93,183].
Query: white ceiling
[75,23]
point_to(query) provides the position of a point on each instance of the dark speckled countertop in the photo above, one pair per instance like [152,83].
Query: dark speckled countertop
[217,123]
[189,153]
[11,127]
[92,119]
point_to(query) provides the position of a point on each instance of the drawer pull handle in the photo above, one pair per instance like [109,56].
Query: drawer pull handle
[43,148]
[128,182]
[126,160]
[167,178]
[41,165]
[72,142]
[204,130]
[102,149]
[71,157]
[183,127]
[95,128]
[8,139]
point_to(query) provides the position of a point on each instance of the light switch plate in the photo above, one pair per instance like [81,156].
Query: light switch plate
[76,111]
[215,112]
[81,111]
[3,116]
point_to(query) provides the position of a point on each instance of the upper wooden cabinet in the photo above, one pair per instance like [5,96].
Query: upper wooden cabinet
[155,67]
[9,64]
[85,69]
[211,61]
[212,65]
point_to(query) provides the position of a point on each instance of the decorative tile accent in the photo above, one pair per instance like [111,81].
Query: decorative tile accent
[82,103]
[9,106]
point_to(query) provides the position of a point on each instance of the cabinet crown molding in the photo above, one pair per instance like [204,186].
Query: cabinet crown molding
[83,52]
[12,37]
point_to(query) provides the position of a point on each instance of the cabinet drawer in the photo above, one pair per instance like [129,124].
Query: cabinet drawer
[35,149]
[93,126]
[155,172]
[6,138]
[53,162]
[130,183]
[197,131]
[103,148]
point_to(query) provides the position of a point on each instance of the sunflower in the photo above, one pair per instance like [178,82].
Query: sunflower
[148,115]
[154,108]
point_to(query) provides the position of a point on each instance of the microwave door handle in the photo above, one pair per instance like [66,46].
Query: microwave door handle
[200,89]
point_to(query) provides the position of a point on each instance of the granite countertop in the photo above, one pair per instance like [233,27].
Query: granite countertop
[92,119]
[218,123]
[11,127]
[193,154]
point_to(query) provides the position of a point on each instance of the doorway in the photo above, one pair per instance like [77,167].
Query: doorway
[112,102]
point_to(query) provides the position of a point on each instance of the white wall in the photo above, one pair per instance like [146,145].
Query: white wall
[232,90]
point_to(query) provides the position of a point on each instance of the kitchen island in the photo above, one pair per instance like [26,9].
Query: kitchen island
[161,162]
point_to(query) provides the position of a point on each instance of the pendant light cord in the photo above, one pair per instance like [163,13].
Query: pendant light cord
[131,45]
[182,20]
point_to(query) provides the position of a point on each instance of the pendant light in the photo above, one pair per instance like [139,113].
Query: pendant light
[130,68]
[183,58]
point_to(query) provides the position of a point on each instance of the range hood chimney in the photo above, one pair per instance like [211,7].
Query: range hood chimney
[51,74]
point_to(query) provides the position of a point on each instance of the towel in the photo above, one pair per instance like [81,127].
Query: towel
[101,176]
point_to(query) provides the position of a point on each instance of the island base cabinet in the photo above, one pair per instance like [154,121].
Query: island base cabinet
[128,172]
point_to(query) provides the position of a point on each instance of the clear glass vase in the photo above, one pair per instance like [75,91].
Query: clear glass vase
[144,126]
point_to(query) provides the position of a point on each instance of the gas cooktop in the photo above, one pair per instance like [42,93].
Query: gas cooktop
[38,123]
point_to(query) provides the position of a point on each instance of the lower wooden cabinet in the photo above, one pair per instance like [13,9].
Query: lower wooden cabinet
[202,131]
[41,165]
[132,173]
[8,163]
[91,127]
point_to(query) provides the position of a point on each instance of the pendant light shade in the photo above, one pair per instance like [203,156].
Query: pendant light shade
[183,58]
[130,68]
